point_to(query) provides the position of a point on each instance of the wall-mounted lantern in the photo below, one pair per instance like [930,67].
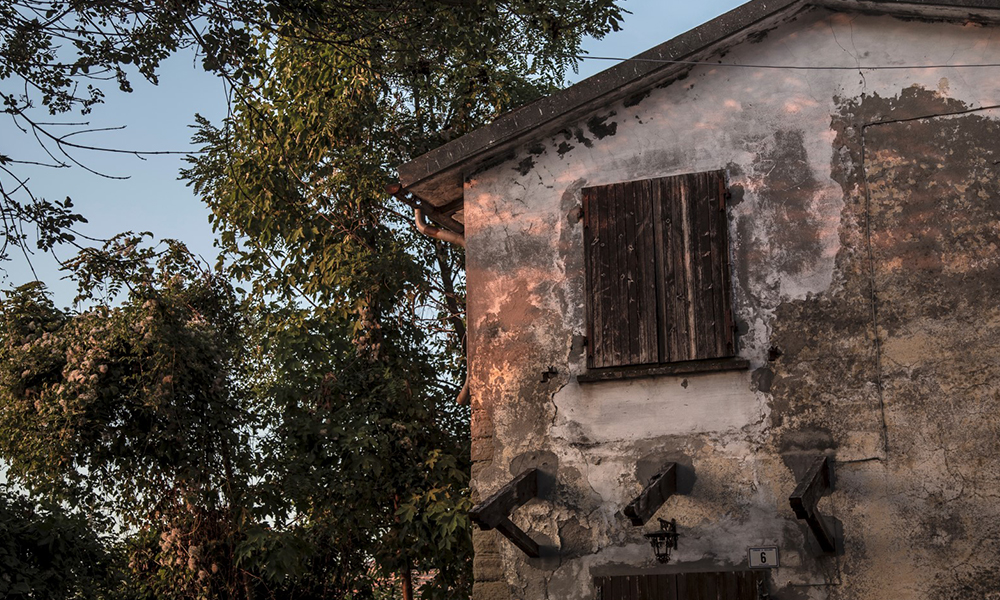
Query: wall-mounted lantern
[664,540]
[660,487]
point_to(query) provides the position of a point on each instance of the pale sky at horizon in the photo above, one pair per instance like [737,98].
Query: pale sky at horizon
[158,118]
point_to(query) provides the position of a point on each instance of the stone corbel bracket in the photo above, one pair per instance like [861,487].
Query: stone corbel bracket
[814,484]
[494,512]
[660,487]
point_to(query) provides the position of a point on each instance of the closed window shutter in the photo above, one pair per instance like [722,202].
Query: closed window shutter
[657,262]
[620,239]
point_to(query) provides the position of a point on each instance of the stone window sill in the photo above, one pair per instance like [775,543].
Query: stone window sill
[680,368]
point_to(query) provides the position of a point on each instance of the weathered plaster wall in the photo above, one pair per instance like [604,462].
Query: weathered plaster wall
[865,251]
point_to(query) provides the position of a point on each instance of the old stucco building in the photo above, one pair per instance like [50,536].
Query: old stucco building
[860,216]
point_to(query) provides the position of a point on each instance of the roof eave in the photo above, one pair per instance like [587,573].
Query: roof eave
[438,176]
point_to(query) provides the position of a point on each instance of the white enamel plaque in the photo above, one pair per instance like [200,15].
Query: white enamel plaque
[763,558]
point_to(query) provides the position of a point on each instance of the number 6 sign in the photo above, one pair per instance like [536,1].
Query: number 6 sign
[763,558]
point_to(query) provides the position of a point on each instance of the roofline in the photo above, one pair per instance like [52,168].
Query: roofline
[522,120]
[624,78]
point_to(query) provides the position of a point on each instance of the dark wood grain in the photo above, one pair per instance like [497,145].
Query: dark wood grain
[711,585]
[660,283]
[603,587]
[590,260]
[646,276]
[603,291]
[613,278]
[685,589]
[604,279]
[618,587]
[657,271]
[804,499]
[494,512]
[498,506]
[709,201]
[710,271]
[633,276]
[722,237]
[619,311]
[730,585]
[677,277]
[669,582]
[701,296]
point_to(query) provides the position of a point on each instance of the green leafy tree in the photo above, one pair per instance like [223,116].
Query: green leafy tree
[299,438]
[56,59]
[134,412]
[48,552]
[296,180]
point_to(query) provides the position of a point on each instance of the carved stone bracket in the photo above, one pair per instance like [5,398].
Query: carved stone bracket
[660,487]
[494,512]
[813,485]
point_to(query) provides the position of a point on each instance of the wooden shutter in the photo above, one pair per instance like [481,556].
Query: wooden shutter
[657,262]
[620,242]
[731,585]
[695,309]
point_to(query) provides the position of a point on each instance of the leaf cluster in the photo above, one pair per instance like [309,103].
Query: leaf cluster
[48,552]
[296,436]
[132,410]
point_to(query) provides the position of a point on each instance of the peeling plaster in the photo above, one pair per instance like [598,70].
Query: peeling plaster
[865,295]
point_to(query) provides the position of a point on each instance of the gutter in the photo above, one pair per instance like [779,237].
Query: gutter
[445,235]
[450,230]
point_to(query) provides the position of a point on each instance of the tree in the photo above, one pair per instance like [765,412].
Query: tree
[135,411]
[299,437]
[296,181]
[55,58]
[46,552]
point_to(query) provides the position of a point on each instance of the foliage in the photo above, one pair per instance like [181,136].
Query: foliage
[233,470]
[46,552]
[295,178]
[114,399]
[299,438]
[354,427]
[134,410]
[56,57]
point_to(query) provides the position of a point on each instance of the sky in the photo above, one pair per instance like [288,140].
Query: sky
[151,198]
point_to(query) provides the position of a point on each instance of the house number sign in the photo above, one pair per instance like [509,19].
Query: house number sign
[763,558]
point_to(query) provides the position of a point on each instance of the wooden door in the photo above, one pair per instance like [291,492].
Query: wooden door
[729,585]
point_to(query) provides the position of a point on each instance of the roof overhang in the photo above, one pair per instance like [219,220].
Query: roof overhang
[438,176]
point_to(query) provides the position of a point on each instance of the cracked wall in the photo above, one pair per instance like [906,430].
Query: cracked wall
[865,249]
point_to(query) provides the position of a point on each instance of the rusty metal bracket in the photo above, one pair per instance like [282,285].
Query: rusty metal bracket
[494,512]
[660,487]
[813,485]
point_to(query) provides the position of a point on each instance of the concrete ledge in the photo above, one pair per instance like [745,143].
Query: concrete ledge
[681,368]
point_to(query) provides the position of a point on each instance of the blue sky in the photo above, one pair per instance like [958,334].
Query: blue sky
[158,118]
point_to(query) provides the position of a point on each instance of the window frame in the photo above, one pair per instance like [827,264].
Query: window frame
[655,249]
